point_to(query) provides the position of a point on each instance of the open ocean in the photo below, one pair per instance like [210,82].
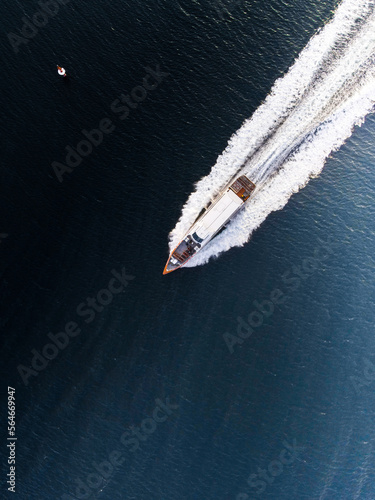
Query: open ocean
[251,374]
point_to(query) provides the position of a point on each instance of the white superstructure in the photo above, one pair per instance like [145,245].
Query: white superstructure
[216,216]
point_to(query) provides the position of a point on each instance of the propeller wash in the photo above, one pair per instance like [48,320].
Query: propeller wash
[308,114]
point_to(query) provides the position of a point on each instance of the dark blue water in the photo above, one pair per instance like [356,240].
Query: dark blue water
[304,379]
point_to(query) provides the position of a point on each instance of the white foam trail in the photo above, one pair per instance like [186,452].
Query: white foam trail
[309,113]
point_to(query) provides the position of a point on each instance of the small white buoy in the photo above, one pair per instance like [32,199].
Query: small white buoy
[61,71]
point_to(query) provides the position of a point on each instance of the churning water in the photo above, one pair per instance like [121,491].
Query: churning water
[308,114]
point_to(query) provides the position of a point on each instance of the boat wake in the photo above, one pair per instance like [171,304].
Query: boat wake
[308,114]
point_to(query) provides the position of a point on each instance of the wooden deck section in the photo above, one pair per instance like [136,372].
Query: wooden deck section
[243,187]
[184,251]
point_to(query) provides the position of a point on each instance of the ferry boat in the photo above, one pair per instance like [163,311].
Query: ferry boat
[210,221]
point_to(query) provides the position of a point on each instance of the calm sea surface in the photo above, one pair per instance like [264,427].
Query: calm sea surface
[285,413]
